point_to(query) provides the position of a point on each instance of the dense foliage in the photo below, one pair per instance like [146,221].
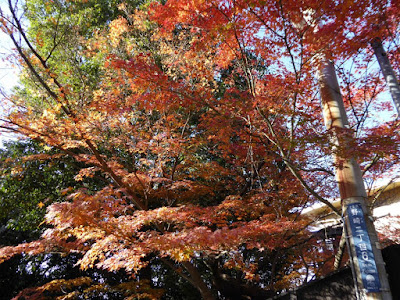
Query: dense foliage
[31,179]
[204,119]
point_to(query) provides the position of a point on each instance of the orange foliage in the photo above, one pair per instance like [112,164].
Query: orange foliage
[211,136]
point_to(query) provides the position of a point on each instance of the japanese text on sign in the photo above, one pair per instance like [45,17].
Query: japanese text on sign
[365,256]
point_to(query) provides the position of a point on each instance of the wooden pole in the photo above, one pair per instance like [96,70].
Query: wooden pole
[364,246]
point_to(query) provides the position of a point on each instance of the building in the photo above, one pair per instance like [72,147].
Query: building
[384,203]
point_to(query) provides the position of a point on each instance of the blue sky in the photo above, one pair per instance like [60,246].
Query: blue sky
[8,74]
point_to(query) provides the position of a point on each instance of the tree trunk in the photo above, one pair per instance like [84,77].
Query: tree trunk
[387,71]
[198,282]
[350,182]
[340,251]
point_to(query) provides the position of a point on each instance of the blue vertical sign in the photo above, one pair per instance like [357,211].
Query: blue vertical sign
[365,256]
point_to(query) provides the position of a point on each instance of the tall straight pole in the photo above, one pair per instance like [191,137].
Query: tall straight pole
[371,278]
[387,71]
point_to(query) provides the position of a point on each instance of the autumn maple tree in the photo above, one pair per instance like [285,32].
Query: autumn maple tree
[204,118]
